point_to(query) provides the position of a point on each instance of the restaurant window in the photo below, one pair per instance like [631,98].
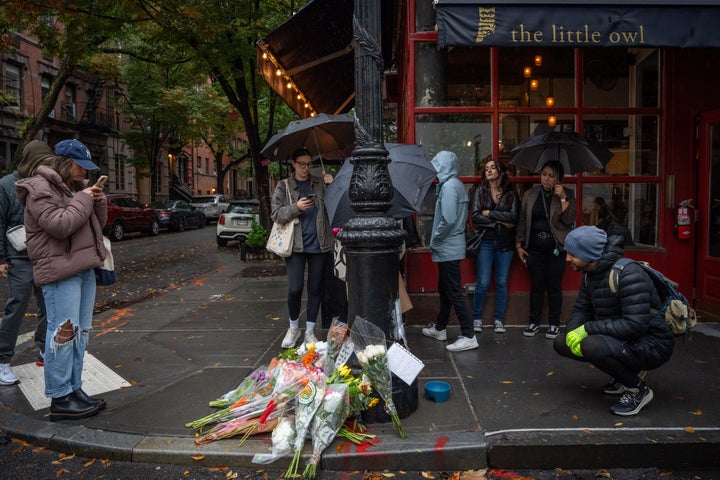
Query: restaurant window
[12,84]
[513,129]
[633,139]
[632,206]
[536,77]
[469,136]
[424,16]
[621,77]
[458,77]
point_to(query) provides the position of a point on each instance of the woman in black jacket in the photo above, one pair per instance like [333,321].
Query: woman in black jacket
[495,208]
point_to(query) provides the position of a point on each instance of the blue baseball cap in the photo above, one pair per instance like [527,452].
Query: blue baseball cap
[78,151]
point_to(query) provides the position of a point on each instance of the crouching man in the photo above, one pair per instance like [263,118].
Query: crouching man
[620,333]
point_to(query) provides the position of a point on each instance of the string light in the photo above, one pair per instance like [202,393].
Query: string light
[280,72]
[538,60]
[534,84]
[552,120]
[527,71]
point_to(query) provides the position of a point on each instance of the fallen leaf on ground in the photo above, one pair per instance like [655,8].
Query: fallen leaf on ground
[198,457]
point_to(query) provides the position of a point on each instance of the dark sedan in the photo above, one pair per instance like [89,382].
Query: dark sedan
[178,215]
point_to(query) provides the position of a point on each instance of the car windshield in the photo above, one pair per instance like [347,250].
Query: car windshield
[161,205]
[241,209]
[203,200]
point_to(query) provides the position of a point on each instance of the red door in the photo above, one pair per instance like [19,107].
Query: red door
[707,271]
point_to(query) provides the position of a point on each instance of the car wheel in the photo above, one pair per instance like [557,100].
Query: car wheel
[154,227]
[117,232]
[222,242]
[181,224]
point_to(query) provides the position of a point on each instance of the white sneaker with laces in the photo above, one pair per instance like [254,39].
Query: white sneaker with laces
[291,338]
[310,337]
[7,376]
[477,325]
[462,344]
[433,333]
[499,327]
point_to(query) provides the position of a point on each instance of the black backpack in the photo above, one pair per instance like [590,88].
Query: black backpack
[675,308]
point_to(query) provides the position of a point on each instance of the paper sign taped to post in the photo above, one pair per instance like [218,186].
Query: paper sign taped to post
[404,364]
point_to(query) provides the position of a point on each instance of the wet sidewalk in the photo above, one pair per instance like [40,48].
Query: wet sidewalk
[514,403]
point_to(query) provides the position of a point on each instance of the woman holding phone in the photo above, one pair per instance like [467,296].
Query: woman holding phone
[299,198]
[64,217]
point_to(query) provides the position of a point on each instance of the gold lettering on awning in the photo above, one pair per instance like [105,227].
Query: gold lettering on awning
[486,23]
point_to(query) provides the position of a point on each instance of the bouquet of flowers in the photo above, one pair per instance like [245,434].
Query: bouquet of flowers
[307,403]
[369,347]
[250,384]
[245,407]
[328,419]
[337,334]
[290,378]
[283,441]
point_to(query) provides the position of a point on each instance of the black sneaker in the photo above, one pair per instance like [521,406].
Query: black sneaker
[552,331]
[633,400]
[614,387]
[531,330]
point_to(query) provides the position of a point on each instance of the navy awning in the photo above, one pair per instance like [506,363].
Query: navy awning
[660,23]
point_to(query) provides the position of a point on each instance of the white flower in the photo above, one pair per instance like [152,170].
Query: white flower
[283,435]
[362,358]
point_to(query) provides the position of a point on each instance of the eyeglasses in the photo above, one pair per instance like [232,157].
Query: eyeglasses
[303,164]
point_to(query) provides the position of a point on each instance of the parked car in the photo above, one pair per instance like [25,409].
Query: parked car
[178,215]
[236,223]
[125,214]
[211,205]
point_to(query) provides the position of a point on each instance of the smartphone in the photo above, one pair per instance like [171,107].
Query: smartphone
[101,181]
[311,197]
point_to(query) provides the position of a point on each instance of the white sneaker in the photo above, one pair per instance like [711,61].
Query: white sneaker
[7,376]
[462,344]
[310,337]
[291,338]
[499,327]
[433,333]
[477,325]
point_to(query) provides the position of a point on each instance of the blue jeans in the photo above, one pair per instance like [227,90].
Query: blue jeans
[22,287]
[71,299]
[489,254]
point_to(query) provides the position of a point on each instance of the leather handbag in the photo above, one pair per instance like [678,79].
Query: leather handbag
[280,241]
[472,243]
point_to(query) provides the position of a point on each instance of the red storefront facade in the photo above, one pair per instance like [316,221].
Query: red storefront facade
[640,86]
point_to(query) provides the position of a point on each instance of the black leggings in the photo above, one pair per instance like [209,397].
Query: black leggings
[295,267]
[597,350]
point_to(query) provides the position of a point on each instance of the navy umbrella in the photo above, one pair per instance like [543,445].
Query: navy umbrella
[574,152]
[321,134]
[411,174]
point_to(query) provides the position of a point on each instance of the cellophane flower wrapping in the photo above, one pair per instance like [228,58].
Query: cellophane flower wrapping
[337,334]
[328,419]
[283,441]
[307,403]
[246,406]
[289,379]
[371,352]
[252,383]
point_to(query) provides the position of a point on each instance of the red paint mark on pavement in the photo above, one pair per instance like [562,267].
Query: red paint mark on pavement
[441,442]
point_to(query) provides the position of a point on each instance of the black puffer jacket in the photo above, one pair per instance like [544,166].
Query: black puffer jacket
[626,314]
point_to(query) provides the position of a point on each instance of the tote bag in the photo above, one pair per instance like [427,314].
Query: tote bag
[105,274]
[280,241]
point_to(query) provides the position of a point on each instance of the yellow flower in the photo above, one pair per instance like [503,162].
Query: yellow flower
[344,370]
[373,402]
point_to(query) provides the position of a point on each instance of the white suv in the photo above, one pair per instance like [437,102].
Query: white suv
[211,205]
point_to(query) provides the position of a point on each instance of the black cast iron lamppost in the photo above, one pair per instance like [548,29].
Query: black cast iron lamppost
[371,238]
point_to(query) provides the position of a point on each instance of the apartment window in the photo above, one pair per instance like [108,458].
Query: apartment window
[45,83]
[120,173]
[12,84]
[69,107]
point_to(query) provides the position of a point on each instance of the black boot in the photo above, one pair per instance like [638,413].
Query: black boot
[80,394]
[70,408]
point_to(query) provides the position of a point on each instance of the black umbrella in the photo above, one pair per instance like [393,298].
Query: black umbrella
[574,152]
[411,174]
[323,133]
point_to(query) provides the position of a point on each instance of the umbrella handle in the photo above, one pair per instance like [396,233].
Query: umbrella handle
[317,146]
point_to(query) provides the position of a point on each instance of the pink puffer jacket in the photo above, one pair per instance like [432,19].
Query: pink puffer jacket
[64,230]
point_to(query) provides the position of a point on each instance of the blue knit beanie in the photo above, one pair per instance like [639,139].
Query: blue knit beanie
[586,243]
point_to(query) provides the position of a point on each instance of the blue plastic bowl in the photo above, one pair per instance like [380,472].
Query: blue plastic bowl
[437,391]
